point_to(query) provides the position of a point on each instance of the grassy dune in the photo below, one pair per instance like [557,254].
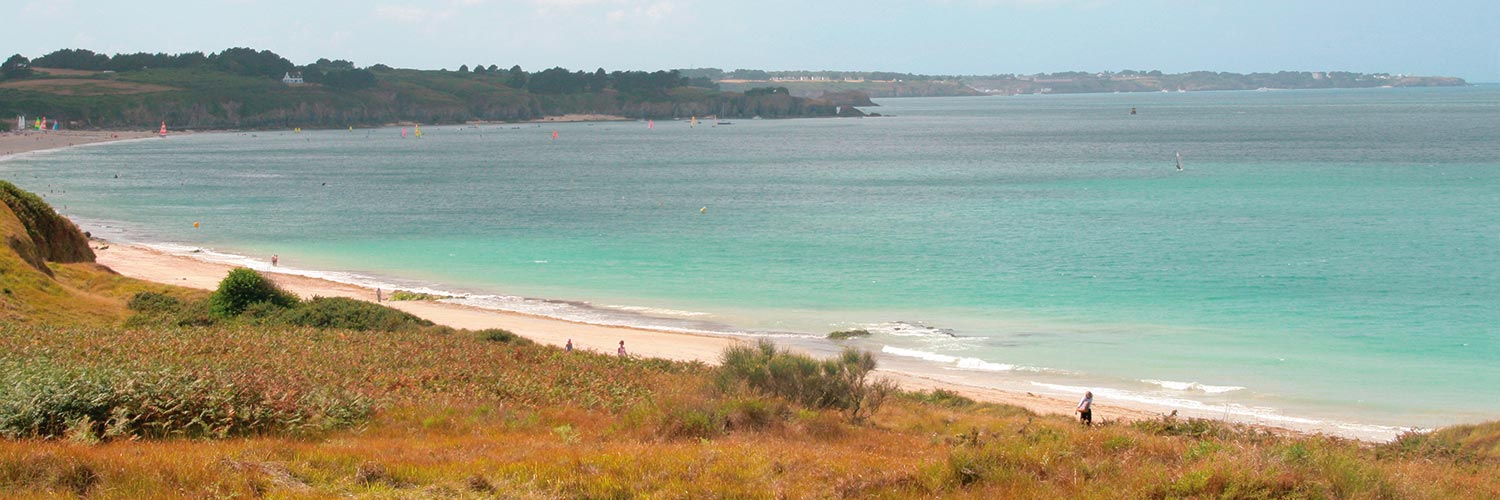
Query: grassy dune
[111,393]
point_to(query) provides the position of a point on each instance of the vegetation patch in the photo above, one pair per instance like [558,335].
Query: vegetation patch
[39,399]
[841,383]
[401,295]
[244,287]
[848,334]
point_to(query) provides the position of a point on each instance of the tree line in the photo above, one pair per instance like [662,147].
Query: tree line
[343,74]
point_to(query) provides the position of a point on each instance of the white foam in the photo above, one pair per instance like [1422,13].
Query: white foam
[907,329]
[958,361]
[1193,386]
[1239,412]
[924,355]
[657,311]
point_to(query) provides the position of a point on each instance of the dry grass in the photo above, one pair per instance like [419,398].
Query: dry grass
[85,86]
[464,417]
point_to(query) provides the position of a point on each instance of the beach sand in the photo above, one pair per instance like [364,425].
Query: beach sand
[13,143]
[152,265]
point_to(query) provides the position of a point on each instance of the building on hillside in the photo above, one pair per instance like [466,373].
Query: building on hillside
[292,78]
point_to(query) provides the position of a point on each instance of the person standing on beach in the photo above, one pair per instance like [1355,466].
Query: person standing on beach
[273,259]
[377,295]
[621,350]
[569,347]
[1086,409]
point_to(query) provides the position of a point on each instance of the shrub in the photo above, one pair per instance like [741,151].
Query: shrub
[153,302]
[405,295]
[940,397]
[346,313]
[154,308]
[848,334]
[243,287]
[502,336]
[841,383]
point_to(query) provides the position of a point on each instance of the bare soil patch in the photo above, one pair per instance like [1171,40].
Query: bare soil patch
[85,86]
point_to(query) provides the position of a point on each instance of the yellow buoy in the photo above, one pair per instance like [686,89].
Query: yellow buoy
[703,210]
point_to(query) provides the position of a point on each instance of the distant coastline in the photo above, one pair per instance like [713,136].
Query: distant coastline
[816,84]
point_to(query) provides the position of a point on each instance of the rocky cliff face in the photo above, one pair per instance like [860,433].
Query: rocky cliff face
[37,233]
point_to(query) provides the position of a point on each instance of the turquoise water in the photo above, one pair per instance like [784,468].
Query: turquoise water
[1326,258]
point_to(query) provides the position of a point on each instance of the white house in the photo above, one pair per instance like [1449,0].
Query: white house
[292,78]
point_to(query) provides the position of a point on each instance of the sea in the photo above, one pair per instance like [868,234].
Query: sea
[1326,260]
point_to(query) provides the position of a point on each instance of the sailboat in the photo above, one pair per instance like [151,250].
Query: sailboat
[21,122]
[1179,161]
[693,122]
[650,124]
[417,130]
[163,131]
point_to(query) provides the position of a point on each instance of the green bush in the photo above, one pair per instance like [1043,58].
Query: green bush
[153,302]
[841,383]
[848,334]
[154,309]
[940,397]
[243,287]
[401,295]
[502,336]
[340,312]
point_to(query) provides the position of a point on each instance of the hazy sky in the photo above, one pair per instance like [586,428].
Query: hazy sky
[1432,37]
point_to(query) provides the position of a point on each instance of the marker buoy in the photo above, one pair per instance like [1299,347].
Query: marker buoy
[195,224]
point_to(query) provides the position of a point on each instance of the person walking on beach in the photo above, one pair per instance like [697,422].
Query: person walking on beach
[273,259]
[569,347]
[1086,409]
[621,350]
[377,295]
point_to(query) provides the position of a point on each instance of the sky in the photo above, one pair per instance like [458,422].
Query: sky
[939,37]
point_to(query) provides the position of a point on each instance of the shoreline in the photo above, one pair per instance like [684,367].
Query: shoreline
[160,266]
[16,143]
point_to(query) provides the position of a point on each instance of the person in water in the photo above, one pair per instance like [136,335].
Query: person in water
[274,259]
[1086,408]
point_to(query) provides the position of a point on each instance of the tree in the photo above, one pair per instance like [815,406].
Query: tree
[463,69]
[517,78]
[17,66]
[83,59]
[479,69]
[246,61]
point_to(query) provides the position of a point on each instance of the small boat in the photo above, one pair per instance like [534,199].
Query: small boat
[1179,161]
[163,131]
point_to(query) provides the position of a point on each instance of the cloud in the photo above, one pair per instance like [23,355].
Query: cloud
[401,13]
[1033,4]
[611,10]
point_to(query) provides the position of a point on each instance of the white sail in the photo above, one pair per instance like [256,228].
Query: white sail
[1179,160]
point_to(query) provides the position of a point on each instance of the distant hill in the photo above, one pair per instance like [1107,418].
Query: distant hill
[243,88]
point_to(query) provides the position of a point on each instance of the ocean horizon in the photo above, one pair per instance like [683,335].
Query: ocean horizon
[1324,259]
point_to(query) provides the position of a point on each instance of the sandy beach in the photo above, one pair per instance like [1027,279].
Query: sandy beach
[13,143]
[152,265]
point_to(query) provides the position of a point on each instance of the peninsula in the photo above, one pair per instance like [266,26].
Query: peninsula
[242,88]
